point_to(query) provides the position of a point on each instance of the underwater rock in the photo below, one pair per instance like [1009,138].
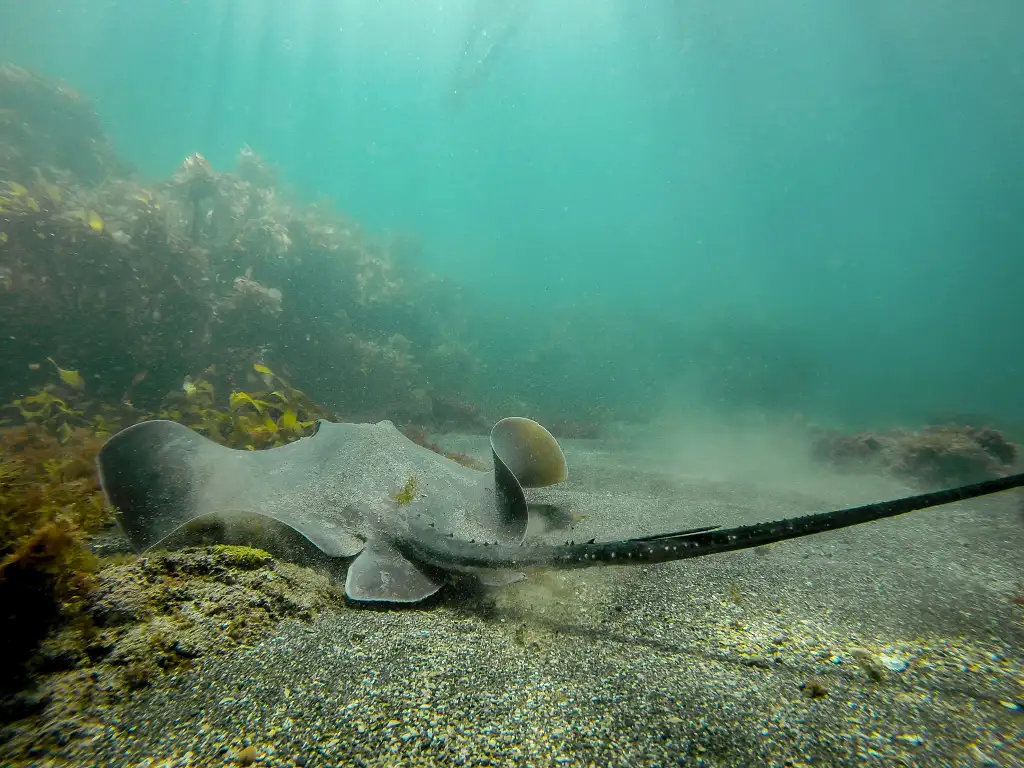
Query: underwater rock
[45,124]
[152,615]
[892,663]
[108,306]
[195,178]
[195,182]
[252,296]
[940,455]
[253,169]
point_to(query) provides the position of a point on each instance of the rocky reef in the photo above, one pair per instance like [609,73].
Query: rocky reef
[930,457]
[117,277]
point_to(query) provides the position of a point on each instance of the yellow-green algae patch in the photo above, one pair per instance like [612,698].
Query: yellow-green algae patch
[244,557]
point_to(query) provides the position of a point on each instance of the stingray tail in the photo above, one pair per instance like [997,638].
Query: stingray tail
[705,541]
[685,545]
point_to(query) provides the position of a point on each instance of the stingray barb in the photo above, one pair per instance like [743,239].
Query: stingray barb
[338,489]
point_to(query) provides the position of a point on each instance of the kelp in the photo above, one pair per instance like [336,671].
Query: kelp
[254,419]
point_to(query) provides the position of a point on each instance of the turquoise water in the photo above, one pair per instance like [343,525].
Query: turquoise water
[797,205]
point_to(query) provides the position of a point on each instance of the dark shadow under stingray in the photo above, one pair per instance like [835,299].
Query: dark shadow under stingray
[273,537]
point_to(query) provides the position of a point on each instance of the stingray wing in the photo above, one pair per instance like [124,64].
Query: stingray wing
[160,475]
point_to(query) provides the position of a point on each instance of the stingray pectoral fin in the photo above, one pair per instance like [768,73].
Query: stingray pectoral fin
[382,575]
[336,545]
[152,474]
[160,475]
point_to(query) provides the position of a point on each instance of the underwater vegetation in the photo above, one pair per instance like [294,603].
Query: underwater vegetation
[50,502]
[120,278]
[274,415]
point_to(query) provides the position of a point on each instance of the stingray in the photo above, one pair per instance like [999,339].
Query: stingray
[411,518]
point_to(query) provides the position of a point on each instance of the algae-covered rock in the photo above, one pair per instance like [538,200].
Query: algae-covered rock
[939,455]
[43,123]
[50,503]
[119,279]
[150,616]
[246,558]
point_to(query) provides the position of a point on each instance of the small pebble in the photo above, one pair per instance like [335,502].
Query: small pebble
[248,755]
[892,663]
[814,689]
[869,663]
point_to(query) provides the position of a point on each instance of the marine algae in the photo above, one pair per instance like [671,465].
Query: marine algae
[408,493]
[247,558]
[252,420]
[72,378]
[51,502]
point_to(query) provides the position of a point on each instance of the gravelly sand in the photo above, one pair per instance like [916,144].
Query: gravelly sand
[703,662]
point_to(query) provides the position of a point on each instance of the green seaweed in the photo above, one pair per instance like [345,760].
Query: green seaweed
[407,493]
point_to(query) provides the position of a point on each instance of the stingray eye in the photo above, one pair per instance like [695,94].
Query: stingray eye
[316,426]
